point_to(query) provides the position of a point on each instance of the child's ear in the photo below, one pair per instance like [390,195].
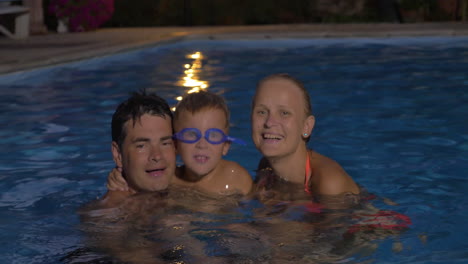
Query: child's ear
[226,146]
[116,154]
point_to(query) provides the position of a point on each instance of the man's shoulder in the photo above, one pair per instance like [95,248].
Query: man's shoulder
[112,199]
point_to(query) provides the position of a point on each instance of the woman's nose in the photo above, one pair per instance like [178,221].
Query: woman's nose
[270,120]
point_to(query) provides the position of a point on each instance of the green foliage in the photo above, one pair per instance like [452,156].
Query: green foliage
[209,12]
[130,13]
[417,4]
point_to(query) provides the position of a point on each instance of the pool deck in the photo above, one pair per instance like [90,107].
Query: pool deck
[50,49]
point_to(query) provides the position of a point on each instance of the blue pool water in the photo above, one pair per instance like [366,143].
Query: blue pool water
[391,111]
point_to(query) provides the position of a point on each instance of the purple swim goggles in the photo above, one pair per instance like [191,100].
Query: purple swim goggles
[213,136]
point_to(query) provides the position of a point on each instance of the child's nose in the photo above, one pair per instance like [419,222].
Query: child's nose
[202,143]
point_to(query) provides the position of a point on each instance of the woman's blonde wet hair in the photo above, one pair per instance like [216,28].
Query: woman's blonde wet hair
[299,84]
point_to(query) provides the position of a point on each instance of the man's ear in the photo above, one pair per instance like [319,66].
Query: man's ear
[116,154]
[308,126]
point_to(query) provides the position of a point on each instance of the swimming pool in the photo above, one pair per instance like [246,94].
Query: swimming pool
[392,111]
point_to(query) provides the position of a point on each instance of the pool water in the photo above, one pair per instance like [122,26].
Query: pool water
[391,111]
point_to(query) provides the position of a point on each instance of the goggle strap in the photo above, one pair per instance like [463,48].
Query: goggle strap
[236,140]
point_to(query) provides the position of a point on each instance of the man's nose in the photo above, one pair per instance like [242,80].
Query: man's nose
[155,154]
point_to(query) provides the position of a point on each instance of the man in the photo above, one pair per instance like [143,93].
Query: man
[142,146]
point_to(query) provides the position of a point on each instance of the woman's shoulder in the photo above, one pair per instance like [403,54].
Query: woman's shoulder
[329,176]
[321,162]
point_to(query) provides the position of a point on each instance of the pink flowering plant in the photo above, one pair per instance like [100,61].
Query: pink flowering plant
[82,15]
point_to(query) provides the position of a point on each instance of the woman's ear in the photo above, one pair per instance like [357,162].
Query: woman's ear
[309,124]
[116,154]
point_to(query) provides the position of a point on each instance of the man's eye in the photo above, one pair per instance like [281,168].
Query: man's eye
[285,113]
[261,112]
[167,143]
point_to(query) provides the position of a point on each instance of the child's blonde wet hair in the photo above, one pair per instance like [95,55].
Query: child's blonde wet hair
[196,102]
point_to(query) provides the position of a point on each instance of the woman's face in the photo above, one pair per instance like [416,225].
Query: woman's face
[278,118]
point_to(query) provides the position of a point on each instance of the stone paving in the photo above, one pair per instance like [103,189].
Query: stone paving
[44,50]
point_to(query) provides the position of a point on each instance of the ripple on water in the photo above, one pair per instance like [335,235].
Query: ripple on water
[56,152]
[434,141]
[51,128]
[26,194]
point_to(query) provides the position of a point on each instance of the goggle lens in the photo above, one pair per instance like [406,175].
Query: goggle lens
[213,136]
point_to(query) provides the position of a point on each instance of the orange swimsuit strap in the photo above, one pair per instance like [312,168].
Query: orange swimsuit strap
[307,174]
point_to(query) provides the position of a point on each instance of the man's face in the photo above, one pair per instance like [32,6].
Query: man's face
[147,155]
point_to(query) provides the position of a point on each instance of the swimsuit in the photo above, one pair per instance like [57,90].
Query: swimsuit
[311,206]
[308,175]
[383,220]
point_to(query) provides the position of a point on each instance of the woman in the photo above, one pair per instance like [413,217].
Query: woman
[281,126]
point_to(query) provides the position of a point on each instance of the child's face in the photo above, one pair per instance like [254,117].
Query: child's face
[201,157]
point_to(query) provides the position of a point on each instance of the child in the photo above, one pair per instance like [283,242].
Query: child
[201,123]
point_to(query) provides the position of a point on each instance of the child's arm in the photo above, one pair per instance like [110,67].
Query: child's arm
[115,181]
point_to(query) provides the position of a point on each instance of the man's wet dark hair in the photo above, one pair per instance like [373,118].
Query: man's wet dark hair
[133,108]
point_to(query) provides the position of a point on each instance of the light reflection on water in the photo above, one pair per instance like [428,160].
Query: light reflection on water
[391,111]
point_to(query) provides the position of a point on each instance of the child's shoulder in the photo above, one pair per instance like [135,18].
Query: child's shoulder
[227,164]
[232,168]
[236,175]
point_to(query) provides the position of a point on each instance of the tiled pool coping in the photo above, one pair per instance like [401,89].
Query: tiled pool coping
[50,49]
